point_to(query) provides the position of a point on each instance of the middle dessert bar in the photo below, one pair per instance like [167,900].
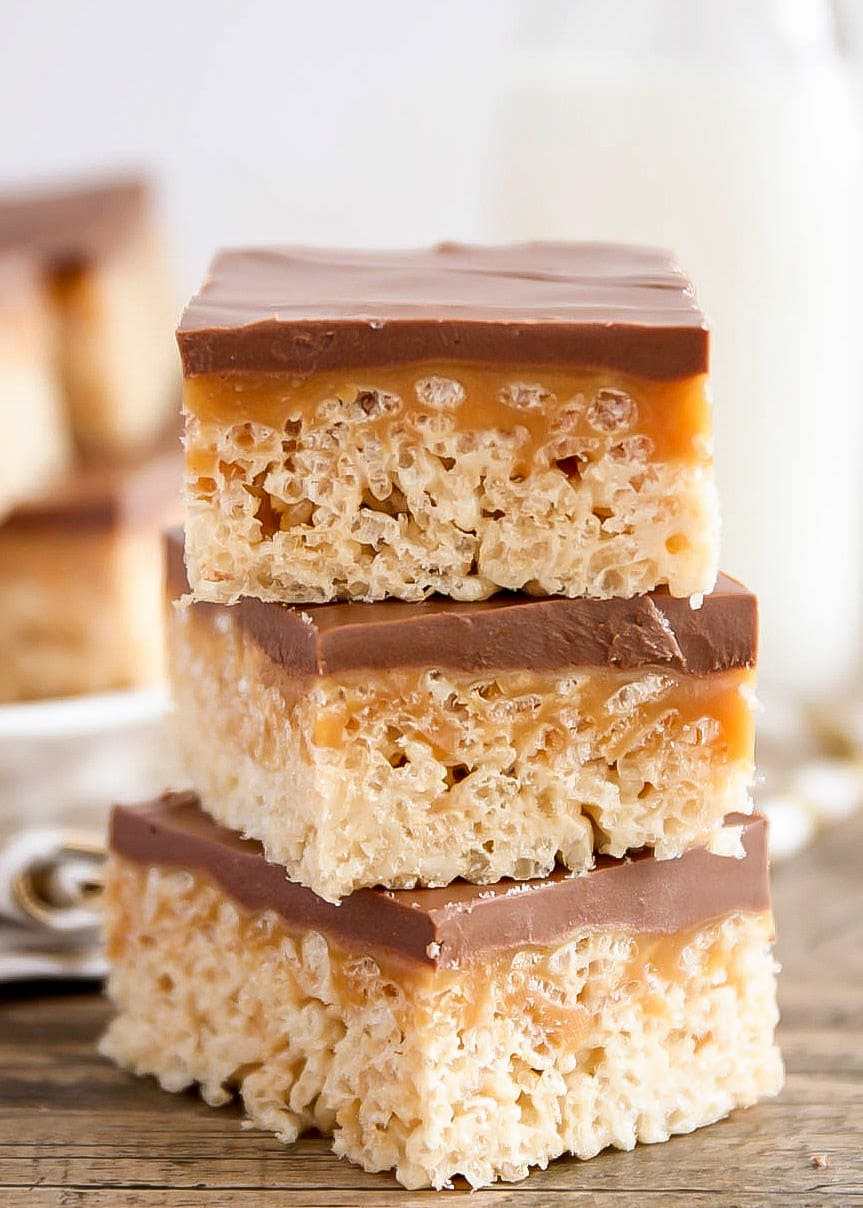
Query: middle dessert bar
[401,744]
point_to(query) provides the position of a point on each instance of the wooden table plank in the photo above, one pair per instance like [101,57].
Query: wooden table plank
[75,1131]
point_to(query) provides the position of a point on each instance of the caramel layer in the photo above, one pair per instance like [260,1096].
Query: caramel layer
[721,698]
[673,416]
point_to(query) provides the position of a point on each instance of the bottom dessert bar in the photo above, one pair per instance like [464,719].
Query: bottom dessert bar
[80,579]
[462,1031]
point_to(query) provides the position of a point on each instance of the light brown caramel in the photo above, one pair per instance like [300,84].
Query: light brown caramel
[723,697]
[525,974]
[674,416]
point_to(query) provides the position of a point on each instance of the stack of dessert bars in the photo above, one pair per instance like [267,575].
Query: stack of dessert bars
[469,879]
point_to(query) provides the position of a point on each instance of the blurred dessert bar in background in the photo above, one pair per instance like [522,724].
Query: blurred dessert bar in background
[453,421]
[443,1031]
[98,250]
[399,744]
[89,440]
[35,441]
[80,579]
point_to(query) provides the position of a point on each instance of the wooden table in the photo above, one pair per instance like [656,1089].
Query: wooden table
[75,1131]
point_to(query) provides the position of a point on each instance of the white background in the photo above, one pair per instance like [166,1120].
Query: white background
[353,123]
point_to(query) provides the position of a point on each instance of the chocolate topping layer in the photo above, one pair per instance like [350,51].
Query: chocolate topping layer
[71,226]
[507,632]
[459,924]
[305,310]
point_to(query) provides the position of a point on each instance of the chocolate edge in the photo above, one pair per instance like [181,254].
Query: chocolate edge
[656,630]
[452,927]
[657,353]
[368,917]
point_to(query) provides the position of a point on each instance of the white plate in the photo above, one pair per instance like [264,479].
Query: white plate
[77,716]
[65,762]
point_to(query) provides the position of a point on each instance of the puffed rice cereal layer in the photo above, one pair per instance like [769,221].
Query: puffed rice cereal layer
[452,479]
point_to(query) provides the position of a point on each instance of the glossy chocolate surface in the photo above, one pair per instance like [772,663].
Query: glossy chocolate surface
[461,923]
[305,310]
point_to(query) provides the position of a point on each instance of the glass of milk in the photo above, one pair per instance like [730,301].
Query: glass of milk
[728,131]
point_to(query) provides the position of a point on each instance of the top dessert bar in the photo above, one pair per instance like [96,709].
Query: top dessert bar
[96,248]
[455,421]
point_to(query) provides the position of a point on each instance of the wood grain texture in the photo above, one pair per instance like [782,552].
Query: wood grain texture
[75,1131]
